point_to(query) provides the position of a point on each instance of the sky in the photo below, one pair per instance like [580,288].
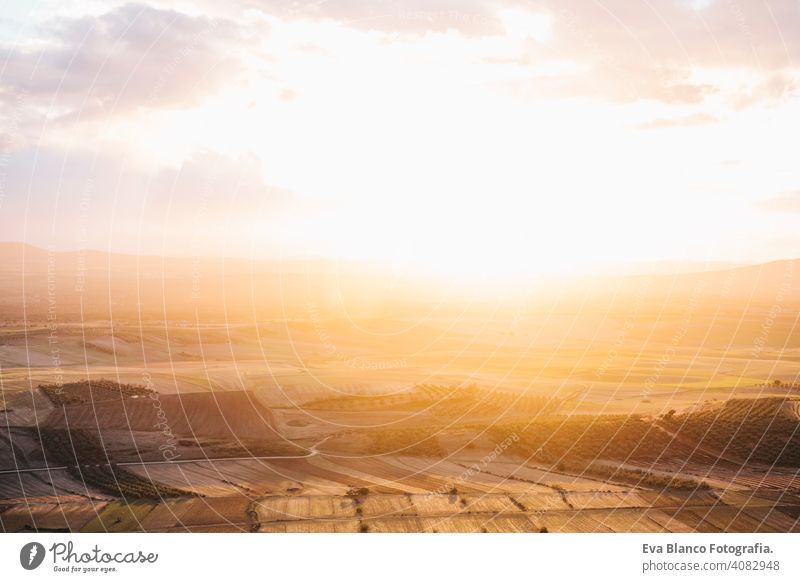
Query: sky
[465,138]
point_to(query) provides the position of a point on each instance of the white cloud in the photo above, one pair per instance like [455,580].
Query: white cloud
[522,24]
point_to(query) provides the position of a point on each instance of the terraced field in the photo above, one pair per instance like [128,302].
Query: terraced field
[577,512]
[219,439]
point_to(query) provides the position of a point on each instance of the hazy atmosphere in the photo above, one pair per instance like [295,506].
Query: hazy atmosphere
[370,266]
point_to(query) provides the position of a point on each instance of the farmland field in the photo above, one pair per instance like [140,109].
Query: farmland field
[537,417]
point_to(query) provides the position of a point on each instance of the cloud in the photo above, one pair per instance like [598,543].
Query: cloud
[407,17]
[133,56]
[772,89]
[141,57]
[98,200]
[789,202]
[645,51]
[683,121]
[631,51]
[215,186]
[627,82]
[723,34]
[683,32]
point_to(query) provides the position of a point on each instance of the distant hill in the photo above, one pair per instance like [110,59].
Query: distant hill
[105,285]
[100,285]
